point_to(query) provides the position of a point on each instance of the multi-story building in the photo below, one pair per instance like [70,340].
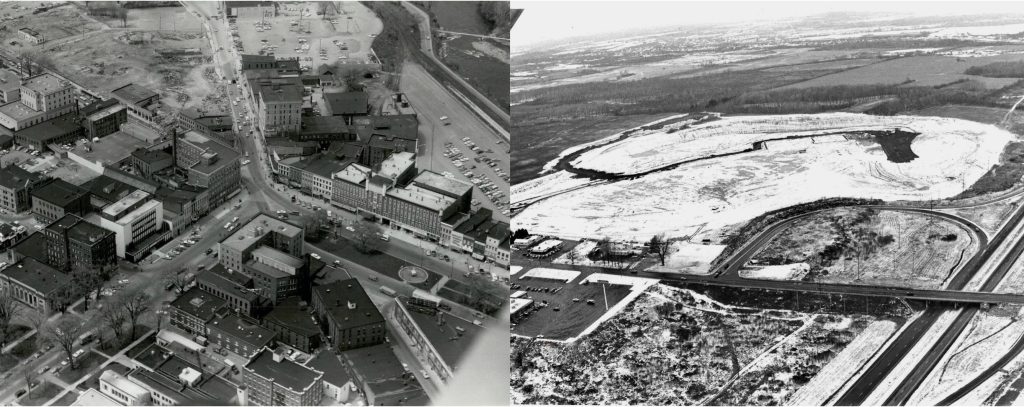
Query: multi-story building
[346,104]
[57,198]
[210,165]
[122,390]
[263,230]
[61,130]
[194,309]
[239,335]
[278,108]
[135,220]
[443,349]
[267,66]
[347,314]
[148,162]
[183,206]
[48,93]
[37,285]
[73,243]
[16,186]
[235,288]
[10,86]
[277,275]
[249,10]
[206,124]
[103,117]
[313,176]
[142,104]
[273,380]
[454,188]
[349,187]
[174,380]
[294,324]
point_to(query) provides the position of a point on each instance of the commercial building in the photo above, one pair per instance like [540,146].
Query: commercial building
[205,123]
[273,380]
[312,176]
[194,309]
[122,390]
[32,36]
[174,381]
[349,187]
[10,86]
[38,285]
[338,383]
[143,106]
[346,104]
[248,10]
[267,66]
[347,314]
[93,397]
[16,186]
[263,230]
[149,162]
[278,275]
[63,130]
[40,99]
[73,243]
[137,223]
[183,205]
[235,288]
[286,147]
[239,335]
[57,198]
[293,321]
[383,379]
[210,165]
[103,117]
[441,339]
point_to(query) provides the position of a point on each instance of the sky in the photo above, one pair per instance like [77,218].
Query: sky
[544,21]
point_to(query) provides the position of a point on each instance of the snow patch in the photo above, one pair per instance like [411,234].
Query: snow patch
[793,271]
[552,274]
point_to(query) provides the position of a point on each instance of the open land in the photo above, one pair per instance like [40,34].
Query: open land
[903,249]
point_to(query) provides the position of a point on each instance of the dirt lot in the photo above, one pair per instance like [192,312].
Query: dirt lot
[355,26]
[867,246]
[675,347]
[54,24]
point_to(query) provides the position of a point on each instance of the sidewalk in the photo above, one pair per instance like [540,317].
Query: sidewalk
[99,368]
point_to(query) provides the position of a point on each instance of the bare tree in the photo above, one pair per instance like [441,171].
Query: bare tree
[34,317]
[30,376]
[366,237]
[572,256]
[134,306]
[88,281]
[659,246]
[9,308]
[177,281]
[113,316]
[63,333]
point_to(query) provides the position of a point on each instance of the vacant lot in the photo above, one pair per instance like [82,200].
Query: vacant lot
[872,247]
[675,347]
[54,25]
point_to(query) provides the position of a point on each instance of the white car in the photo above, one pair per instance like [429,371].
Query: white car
[315,256]
[244,162]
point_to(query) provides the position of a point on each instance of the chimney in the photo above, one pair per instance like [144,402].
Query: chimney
[351,305]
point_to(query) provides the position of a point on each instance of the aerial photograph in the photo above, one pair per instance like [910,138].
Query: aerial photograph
[254,203]
[767,204]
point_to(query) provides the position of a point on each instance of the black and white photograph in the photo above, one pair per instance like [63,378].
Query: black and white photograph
[254,203]
[767,203]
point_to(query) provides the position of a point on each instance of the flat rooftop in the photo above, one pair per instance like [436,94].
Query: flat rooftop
[353,173]
[59,192]
[110,150]
[335,371]
[285,373]
[347,303]
[450,342]
[37,275]
[439,183]
[18,111]
[107,111]
[9,80]
[199,303]
[248,234]
[133,93]
[323,167]
[241,330]
[347,102]
[225,155]
[296,317]
[396,164]
[280,93]
[277,255]
[117,209]
[13,176]
[45,83]
[378,367]
[422,197]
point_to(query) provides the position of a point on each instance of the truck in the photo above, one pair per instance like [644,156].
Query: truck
[388,291]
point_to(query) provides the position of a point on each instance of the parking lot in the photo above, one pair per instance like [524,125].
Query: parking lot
[560,310]
[472,160]
[298,31]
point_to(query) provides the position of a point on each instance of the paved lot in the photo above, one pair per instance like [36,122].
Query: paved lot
[571,317]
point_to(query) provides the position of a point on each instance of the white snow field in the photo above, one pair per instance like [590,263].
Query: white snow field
[713,193]
[793,271]
[690,258]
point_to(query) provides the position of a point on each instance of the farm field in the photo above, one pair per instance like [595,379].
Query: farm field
[945,158]
[872,247]
[687,348]
[925,70]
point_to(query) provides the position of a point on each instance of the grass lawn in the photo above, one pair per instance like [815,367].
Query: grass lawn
[8,362]
[25,348]
[40,395]
[88,361]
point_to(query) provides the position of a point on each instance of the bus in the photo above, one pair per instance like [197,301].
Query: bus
[388,291]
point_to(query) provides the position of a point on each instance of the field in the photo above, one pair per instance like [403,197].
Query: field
[867,246]
[926,70]
[54,25]
[677,347]
[708,194]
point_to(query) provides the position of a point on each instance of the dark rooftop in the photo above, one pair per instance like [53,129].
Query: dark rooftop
[285,373]
[324,167]
[241,330]
[335,371]
[198,303]
[32,247]
[345,103]
[234,283]
[150,155]
[377,367]
[108,189]
[451,343]
[210,390]
[37,275]
[281,93]
[291,314]
[478,218]
[13,176]
[45,131]
[97,106]
[59,192]
[347,304]
[133,93]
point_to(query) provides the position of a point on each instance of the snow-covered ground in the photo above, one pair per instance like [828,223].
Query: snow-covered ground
[552,274]
[690,258]
[638,285]
[715,193]
[837,372]
[514,270]
[793,271]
